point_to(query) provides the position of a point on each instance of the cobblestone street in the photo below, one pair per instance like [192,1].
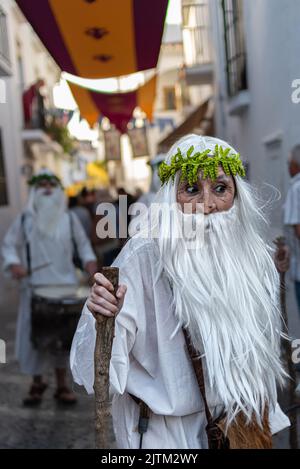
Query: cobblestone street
[150,228]
[48,426]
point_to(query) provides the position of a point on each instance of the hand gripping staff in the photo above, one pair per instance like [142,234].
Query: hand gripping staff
[105,327]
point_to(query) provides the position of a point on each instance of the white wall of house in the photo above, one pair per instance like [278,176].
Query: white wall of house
[269,126]
[29,61]
[11,121]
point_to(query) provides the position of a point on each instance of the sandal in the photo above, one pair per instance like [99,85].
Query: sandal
[35,394]
[65,396]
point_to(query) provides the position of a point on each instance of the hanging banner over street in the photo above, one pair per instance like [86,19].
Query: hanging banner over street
[112,141]
[139,142]
[96,38]
[118,107]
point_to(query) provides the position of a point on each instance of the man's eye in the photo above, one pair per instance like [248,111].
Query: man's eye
[220,189]
[192,189]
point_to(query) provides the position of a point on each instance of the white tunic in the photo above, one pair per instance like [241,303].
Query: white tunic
[57,253]
[149,360]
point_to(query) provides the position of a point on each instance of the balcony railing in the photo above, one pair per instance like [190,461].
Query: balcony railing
[234,46]
[196,32]
[33,106]
[4,46]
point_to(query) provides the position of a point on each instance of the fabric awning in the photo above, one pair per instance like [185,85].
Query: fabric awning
[96,38]
[118,107]
[201,122]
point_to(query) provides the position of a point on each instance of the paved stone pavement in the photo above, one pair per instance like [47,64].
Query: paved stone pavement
[52,426]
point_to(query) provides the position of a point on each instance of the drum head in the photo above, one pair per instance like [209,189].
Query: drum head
[62,293]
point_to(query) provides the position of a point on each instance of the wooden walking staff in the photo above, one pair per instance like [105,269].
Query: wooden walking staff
[105,327]
[287,349]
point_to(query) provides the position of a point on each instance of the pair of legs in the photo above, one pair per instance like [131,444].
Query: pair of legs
[63,393]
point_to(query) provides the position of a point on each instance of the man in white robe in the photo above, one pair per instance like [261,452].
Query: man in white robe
[50,232]
[224,291]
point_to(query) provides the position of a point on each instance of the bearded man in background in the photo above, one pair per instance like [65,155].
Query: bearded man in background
[217,292]
[38,250]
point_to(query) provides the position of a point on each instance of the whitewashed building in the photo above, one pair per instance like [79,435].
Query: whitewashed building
[196,76]
[256,62]
[23,61]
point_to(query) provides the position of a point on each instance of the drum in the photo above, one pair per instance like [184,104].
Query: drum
[55,311]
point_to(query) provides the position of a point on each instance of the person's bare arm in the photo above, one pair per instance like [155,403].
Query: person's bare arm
[10,250]
[282,259]
[18,271]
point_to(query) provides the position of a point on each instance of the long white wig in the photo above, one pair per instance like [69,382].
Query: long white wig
[226,294]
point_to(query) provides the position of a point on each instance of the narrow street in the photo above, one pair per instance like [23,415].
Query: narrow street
[168,130]
[50,425]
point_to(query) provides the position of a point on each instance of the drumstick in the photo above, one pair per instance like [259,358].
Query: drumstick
[105,333]
[43,266]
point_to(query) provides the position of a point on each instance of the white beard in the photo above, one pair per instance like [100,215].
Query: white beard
[49,210]
[226,294]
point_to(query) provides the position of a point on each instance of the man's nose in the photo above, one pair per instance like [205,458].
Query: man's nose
[48,191]
[208,203]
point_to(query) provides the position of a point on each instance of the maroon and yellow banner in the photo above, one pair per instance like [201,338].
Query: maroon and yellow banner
[99,38]
[118,107]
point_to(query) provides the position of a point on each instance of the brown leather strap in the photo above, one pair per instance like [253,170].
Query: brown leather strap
[144,408]
[137,400]
[198,368]
[215,436]
[145,412]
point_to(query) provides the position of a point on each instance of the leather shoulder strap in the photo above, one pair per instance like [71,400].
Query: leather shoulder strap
[198,368]
[27,244]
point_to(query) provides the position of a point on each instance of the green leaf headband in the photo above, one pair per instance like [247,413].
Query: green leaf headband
[42,177]
[191,163]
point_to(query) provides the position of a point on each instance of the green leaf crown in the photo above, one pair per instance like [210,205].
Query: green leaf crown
[42,177]
[191,163]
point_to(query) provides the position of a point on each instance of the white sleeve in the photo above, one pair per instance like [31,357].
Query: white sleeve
[82,351]
[278,420]
[11,245]
[83,244]
[83,346]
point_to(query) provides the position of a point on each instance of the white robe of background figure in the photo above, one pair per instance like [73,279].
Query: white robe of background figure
[50,233]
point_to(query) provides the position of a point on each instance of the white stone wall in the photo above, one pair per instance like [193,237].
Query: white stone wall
[270,126]
[36,63]
[11,120]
